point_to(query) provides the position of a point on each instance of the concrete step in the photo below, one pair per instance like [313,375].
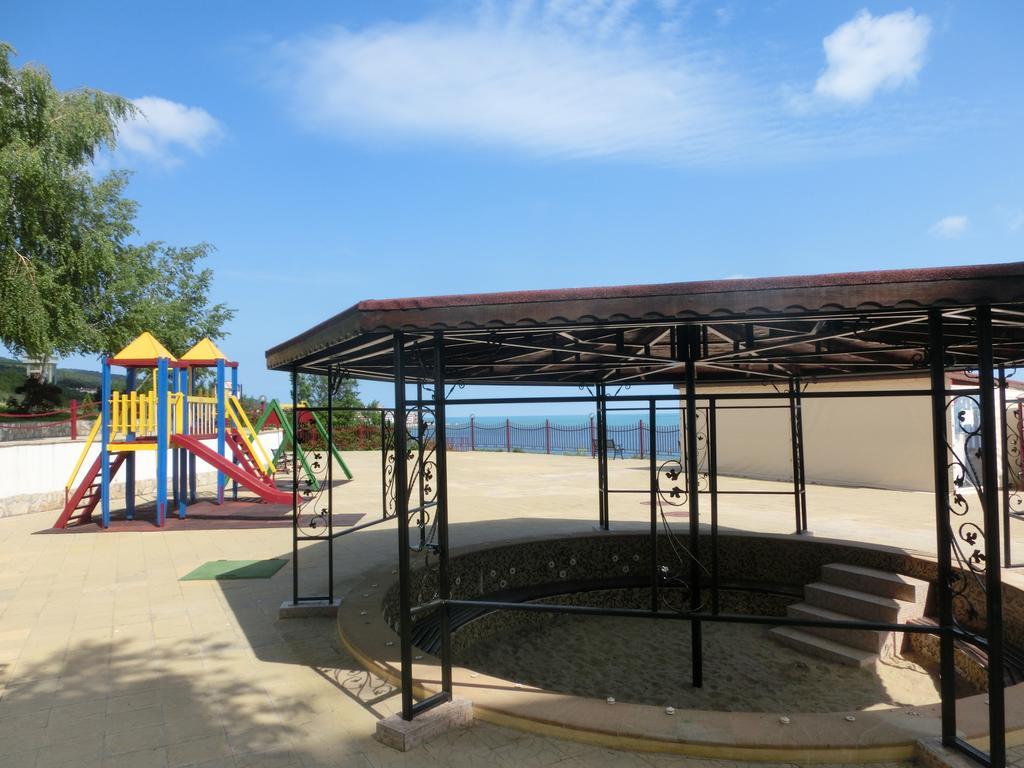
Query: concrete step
[822,647]
[861,605]
[865,639]
[873,581]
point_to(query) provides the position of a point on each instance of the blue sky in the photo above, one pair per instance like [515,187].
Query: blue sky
[339,151]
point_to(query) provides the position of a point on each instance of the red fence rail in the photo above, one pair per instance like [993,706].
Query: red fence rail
[570,438]
[30,421]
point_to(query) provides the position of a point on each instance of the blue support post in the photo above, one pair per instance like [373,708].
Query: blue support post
[221,418]
[129,468]
[182,479]
[175,465]
[104,452]
[162,429]
[191,456]
[234,393]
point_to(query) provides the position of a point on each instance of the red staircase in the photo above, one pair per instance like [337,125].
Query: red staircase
[245,458]
[87,495]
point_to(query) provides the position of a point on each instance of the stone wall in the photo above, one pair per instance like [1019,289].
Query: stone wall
[33,474]
[42,430]
[775,567]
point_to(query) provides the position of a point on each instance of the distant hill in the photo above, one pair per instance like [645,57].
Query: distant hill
[75,382]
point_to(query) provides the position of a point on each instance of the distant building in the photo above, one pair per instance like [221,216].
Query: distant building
[44,370]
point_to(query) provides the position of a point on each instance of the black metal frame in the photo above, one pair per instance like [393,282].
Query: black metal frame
[1011,417]
[312,514]
[702,463]
[933,341]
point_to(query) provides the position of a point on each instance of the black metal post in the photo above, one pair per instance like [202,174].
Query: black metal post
[653,480]
[330,484]
[402,511]
[940,461]
[383,462]
[604,522]
[801,453]
[421,520]
[441,462]
[797,448]
[713,489]
[1004,435]
[993,572]
[693,491]
[295,488]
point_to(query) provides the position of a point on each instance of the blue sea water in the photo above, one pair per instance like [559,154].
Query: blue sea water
[562,433]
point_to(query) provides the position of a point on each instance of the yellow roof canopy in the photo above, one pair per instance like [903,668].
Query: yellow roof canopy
[204,350]
[145,347]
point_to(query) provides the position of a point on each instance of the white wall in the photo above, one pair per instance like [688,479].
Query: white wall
[42,468]
[877,442]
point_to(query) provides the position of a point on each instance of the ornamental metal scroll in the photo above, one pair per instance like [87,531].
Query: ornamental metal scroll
[673,491]
[313,504]
[965,448]
[387,448]
[1013,454]
[673,486]
[421,463]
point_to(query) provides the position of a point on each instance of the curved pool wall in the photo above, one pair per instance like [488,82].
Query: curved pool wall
[763,572]
[759,573]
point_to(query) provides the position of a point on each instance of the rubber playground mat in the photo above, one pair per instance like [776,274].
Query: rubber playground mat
[221,570]
[206,516]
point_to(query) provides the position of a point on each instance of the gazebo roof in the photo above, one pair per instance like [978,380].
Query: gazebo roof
[848,324]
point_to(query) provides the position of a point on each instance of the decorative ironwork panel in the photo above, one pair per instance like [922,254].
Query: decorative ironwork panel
[313,486]
[966,525]
[1013,454]
[421,463]
[672,477]
[387,447]
[674,592]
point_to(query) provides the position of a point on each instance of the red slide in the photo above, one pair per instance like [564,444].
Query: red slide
[262,487]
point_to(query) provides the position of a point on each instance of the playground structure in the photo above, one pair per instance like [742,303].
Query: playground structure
[170,417]
[274,415]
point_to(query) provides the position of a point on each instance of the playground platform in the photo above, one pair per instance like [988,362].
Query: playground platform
[107,659]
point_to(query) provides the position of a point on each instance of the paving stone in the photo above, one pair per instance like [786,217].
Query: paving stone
[212,666]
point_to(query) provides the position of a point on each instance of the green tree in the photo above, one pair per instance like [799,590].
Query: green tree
[313,390]
[71,278]
[37,395]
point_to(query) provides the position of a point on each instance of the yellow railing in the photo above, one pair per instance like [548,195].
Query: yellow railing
[85,450]
[241,422]
[132,412]
[135,413]
[202,415]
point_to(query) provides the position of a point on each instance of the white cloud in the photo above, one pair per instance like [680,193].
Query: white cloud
[164,130]
[572,84]
[949,227]
[869,53]
[1017,221]
[564,79]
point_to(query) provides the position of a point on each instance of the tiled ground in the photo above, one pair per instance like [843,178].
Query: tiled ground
[107,659]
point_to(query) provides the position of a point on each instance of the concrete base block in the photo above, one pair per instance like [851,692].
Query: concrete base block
[405,735]
[930,753]
[311,609]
